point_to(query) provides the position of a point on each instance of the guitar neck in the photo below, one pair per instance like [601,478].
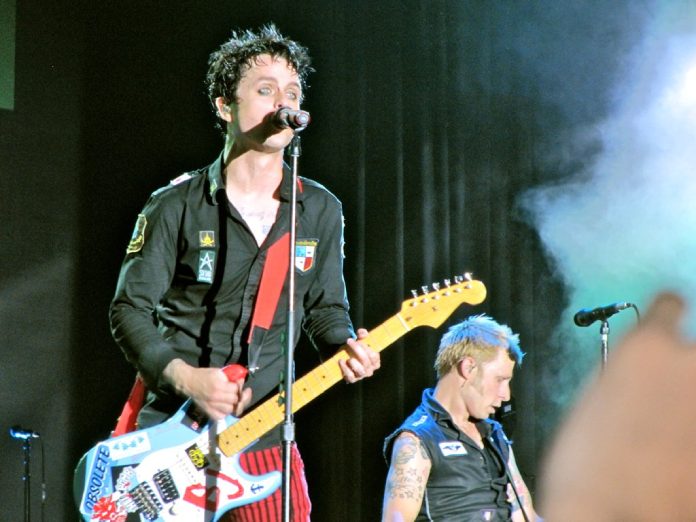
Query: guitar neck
[271,412]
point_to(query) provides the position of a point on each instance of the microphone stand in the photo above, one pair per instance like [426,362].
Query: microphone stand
[288,430]
[26,446]
[604,337]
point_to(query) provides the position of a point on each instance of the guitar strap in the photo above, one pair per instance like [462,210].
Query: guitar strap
[275,269]
[273,276]
[129,415]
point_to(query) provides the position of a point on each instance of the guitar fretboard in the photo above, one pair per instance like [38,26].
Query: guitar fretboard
[270,413]
[430,309]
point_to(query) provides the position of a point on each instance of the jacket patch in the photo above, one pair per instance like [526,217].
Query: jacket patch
[206,238]
[180,179]
[420,421]
[452,447]
[206,266]
[305,252]
[138,238]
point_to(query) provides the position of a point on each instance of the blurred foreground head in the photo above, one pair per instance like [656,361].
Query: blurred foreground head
[627,451]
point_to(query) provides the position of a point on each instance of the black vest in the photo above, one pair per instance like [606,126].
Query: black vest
[466,483]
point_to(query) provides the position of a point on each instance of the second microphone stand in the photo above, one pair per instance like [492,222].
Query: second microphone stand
[604,340]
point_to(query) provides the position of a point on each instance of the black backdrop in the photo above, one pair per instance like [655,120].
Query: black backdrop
[430,119]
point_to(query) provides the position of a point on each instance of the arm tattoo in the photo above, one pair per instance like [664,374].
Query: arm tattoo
[408,474]
[520,487]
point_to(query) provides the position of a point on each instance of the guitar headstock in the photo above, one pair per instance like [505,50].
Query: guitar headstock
[432,308]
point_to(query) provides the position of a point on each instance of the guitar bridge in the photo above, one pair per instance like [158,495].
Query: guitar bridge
[146,501]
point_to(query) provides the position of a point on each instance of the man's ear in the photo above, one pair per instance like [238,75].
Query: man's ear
[467,367]
[224,109]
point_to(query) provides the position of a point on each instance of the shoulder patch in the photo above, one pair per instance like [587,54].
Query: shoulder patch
[138,238]
[420,421]
[180,179]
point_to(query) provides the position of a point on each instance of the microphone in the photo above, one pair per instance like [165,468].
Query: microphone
[16,432]
[285,118]
[586,317]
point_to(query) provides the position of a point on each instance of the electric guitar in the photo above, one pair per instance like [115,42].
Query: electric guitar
[187,468]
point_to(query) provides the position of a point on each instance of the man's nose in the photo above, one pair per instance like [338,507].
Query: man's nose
[285,100]
[505,393]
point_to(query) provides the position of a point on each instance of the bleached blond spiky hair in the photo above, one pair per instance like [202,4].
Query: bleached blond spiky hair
[480,337]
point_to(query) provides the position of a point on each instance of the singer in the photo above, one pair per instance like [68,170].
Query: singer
[192,294]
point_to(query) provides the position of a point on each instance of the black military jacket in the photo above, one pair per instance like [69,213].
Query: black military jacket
[188,285]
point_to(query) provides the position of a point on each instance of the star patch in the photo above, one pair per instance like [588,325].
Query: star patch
[138,238]
[206,238]
[305,253]
[206,266]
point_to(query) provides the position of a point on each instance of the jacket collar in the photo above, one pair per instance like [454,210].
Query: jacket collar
[216,182]
[442,417]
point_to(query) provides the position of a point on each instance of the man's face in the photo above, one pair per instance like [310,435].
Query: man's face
[490,386]
[268,84]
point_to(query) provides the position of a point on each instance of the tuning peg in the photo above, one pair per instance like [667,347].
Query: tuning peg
[467,277]
[436,287]
[414,293]
[424,289]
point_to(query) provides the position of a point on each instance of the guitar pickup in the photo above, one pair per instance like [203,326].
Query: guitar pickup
[166,486]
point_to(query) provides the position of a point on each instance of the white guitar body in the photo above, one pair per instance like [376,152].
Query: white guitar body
[171,472]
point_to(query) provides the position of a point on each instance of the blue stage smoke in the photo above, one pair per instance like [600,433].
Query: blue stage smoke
[624,227]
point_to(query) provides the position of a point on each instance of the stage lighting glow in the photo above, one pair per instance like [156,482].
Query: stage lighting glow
[683,93]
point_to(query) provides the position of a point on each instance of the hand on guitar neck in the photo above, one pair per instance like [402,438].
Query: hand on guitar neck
[362,361]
